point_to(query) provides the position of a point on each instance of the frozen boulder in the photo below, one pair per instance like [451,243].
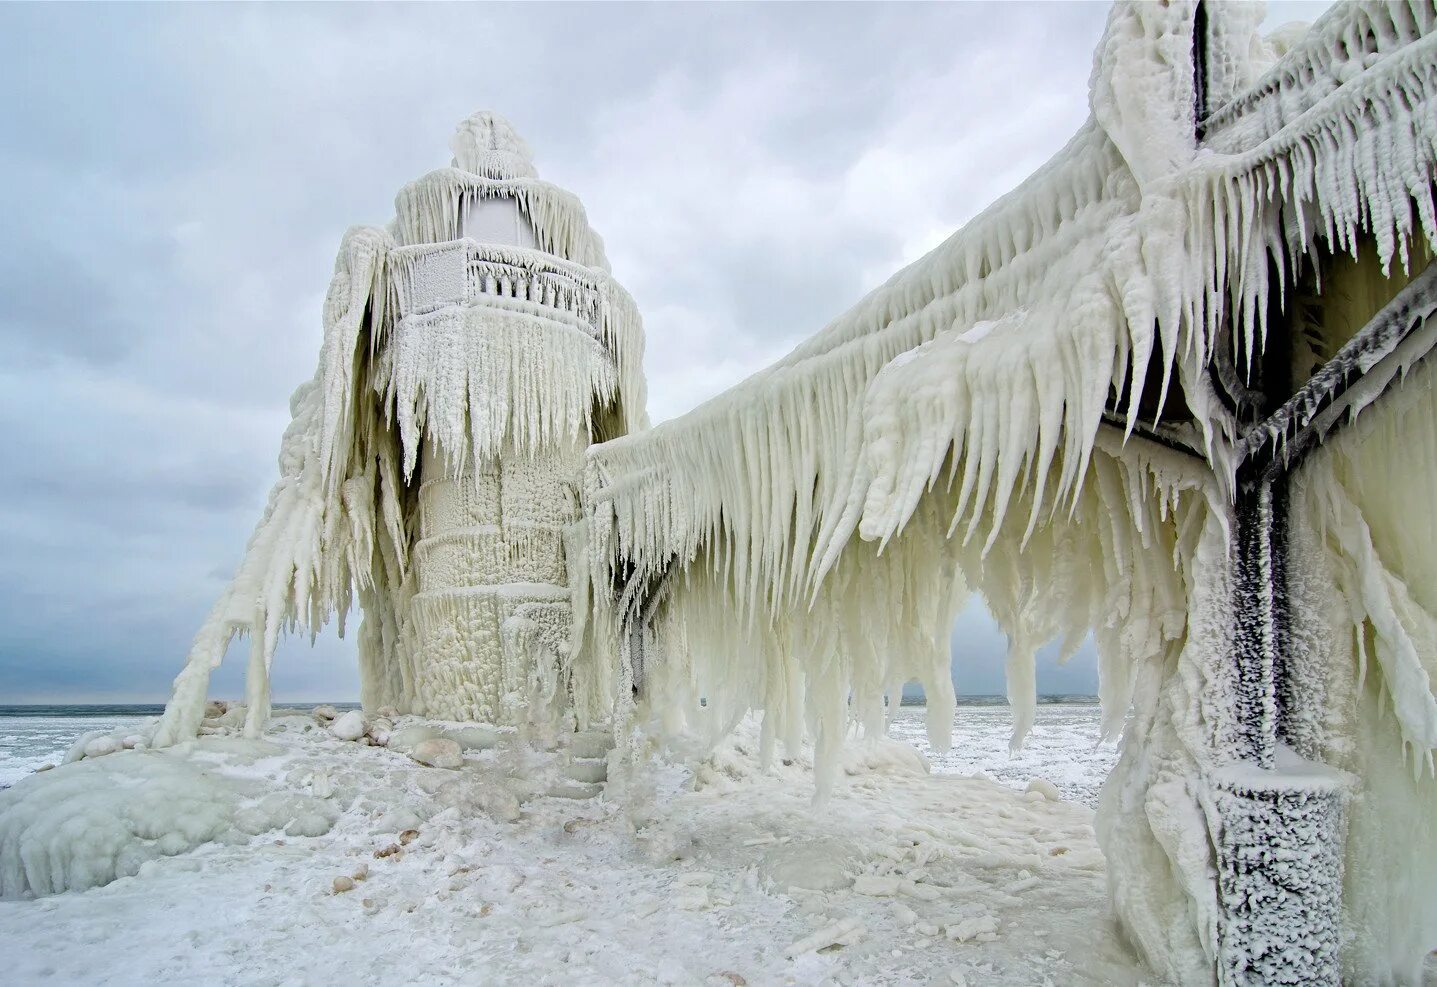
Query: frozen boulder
[591,744]
[589,772]
[77,749]
[1046,789]
[321,785]
[380,729]
[348,726]
[439,752]
[882,755]
[405,739]
[233,717]
[92,821]
[325,713]
[296,814]
[474,738]
[876,886]
[101,746]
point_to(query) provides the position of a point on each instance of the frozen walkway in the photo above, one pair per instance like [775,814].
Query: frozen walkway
[714,873]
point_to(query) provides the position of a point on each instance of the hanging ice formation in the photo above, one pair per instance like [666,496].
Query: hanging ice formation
[1085,407]
[1172,391]
[472,350]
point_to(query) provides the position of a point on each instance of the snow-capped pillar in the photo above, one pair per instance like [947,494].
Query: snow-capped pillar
[1279,820]
[1281,837]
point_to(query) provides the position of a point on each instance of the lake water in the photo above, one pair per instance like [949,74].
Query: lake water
[1063,747]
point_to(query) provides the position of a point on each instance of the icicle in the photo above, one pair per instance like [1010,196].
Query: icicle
[995,355]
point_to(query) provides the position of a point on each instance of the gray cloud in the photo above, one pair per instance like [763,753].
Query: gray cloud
[175,180]
[56,307]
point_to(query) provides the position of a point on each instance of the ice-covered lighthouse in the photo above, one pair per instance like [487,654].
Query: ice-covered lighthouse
[473,348]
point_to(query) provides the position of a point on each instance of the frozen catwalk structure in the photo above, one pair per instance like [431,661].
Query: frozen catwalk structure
[1173,391]
[472,350]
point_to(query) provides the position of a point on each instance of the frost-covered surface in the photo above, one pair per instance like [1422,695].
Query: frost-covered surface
[965,427]
[1367,569]
[703,874]
[1281,925]
[982,371]
[800,544]
[482,359]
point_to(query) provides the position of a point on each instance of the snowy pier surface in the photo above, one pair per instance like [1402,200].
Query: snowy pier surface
[705,871]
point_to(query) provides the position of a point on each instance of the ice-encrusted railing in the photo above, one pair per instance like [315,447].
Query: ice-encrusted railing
[494,346]
[1349,39]
[428,277]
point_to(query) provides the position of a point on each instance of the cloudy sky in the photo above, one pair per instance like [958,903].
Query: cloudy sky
[175,180]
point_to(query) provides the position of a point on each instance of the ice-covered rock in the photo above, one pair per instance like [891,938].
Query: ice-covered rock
[591,744]
[77,749]
[586,770]
[566,789]
[880,887]
[295,813]
[1045,788]
[325,713]
[91,821]
[321,785]
[232,718]
[474,738]
[692,899]
[405,739]
[348,726]
[882,755]
[844,932]
[979,928]
[380,729]
[438,752]
[479,795]
[101,746]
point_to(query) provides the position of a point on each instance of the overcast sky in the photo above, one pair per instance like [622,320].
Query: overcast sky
[175,180]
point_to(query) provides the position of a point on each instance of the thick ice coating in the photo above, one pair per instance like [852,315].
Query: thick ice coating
[471,350]
[1038,411]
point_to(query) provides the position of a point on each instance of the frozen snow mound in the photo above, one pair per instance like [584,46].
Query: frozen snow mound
[92,821]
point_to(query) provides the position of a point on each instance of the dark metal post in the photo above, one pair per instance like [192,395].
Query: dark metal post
[1258,608]
[1281,822]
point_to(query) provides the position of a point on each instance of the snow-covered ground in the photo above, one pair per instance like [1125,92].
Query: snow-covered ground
[705,871]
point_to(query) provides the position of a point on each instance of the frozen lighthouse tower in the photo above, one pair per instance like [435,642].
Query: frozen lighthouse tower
[473,349]
[498,475]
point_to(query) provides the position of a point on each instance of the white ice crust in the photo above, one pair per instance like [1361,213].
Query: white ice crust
[489,361]
[805,538]
[800,544]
